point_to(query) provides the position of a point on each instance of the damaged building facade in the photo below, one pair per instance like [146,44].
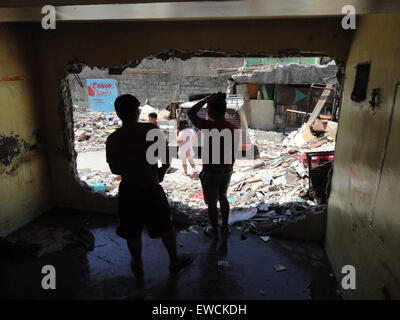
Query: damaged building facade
[38,161]
[280,93]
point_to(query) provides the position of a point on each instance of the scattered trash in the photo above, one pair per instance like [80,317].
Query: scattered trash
[265,238]
[262,292]
[198,195]
[232,200]
[279,267]
[261,192]
[98,187]
[267,177]
[105,260]
[237,215]
[237,177]
[91,128]
[262,206]
[192,229]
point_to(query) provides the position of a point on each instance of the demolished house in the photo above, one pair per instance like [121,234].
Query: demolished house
[285,179]
[280,93]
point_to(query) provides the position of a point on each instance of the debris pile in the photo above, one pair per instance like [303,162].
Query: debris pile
[36,240]
[101,181]
[264,194]
[91,128]
[319,136]
[318,131]
[145,110]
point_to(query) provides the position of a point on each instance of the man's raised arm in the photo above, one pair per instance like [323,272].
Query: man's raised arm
[163,156]
[192,113]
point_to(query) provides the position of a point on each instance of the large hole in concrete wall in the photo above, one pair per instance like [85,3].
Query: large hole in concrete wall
[277,96]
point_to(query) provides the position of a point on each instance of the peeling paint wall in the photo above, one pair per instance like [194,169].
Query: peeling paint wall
[24,180]
[363,213]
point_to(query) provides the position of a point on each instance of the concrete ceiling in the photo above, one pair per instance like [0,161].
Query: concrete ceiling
[41,3]
[185,10]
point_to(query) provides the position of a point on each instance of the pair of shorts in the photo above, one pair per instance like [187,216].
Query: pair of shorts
[143,206]
[215,184]
[186,154]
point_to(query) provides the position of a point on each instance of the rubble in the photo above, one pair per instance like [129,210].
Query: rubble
[38,240]
[101,181]
[264,194]
[91,128]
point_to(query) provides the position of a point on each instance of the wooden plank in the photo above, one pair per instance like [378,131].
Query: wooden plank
[320,104]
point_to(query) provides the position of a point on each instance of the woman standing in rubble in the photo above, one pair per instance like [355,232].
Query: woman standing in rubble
[185,136]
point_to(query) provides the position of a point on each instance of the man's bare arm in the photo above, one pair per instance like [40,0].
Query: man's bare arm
[192,113]
[165,159]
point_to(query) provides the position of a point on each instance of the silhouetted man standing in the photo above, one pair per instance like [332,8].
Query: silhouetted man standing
[216,174]
[142,200]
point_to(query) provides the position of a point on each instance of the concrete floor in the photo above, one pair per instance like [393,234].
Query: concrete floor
[87,161]
[105,273]
[96,160]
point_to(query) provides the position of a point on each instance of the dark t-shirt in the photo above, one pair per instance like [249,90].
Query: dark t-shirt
[227,152]
[126,148]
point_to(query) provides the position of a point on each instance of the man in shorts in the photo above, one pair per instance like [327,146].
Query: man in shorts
[142,201]
[216,175]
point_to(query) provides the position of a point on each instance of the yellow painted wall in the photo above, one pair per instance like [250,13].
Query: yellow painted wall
[353,237]
[24,183]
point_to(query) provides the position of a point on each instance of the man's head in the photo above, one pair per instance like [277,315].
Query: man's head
[153,118]
[127,108]
[216,106]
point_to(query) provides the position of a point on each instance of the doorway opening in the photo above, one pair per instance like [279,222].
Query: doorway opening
[288,106]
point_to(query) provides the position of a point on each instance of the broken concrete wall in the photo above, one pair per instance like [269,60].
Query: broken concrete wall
[162,81]
[292,73]
[24,179]
[85,43]
[262,114]
[363,214]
